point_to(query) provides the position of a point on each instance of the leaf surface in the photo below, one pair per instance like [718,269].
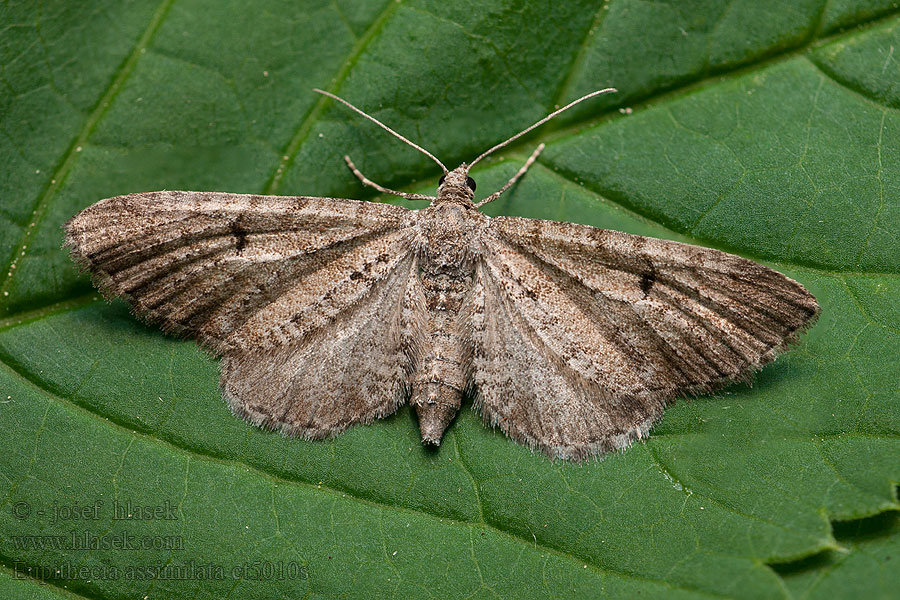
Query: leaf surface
[760,128]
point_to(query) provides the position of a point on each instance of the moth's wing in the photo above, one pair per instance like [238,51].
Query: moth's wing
[212,265]
[281,286]
[580,336]
[353,370]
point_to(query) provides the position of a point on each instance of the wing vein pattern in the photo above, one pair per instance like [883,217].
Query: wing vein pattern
[597,330]
[312,303]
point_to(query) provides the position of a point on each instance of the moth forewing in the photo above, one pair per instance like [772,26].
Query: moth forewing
[330,312]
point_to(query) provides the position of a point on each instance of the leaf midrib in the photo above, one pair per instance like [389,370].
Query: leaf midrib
[113,421]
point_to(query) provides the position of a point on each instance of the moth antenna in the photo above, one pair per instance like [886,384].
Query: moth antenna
[541,122]
[386,128]
[514,178]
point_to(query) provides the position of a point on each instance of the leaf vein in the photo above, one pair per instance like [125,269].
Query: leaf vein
[337,493]
[70,157]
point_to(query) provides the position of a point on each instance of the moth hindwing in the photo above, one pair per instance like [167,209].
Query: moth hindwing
[330,312]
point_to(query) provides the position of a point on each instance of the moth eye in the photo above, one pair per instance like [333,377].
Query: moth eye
[471,183]
[441,180]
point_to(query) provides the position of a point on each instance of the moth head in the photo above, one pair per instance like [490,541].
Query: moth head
[457,184]
[458,181]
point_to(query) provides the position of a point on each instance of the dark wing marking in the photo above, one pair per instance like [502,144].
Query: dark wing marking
[314,303]
[238,270]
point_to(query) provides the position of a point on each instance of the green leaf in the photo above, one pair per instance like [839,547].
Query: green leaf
[863,562]
[763,128]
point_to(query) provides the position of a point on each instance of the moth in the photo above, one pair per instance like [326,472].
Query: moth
[330,312]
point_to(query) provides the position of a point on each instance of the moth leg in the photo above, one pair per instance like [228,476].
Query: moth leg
[366,181]
[514,178]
